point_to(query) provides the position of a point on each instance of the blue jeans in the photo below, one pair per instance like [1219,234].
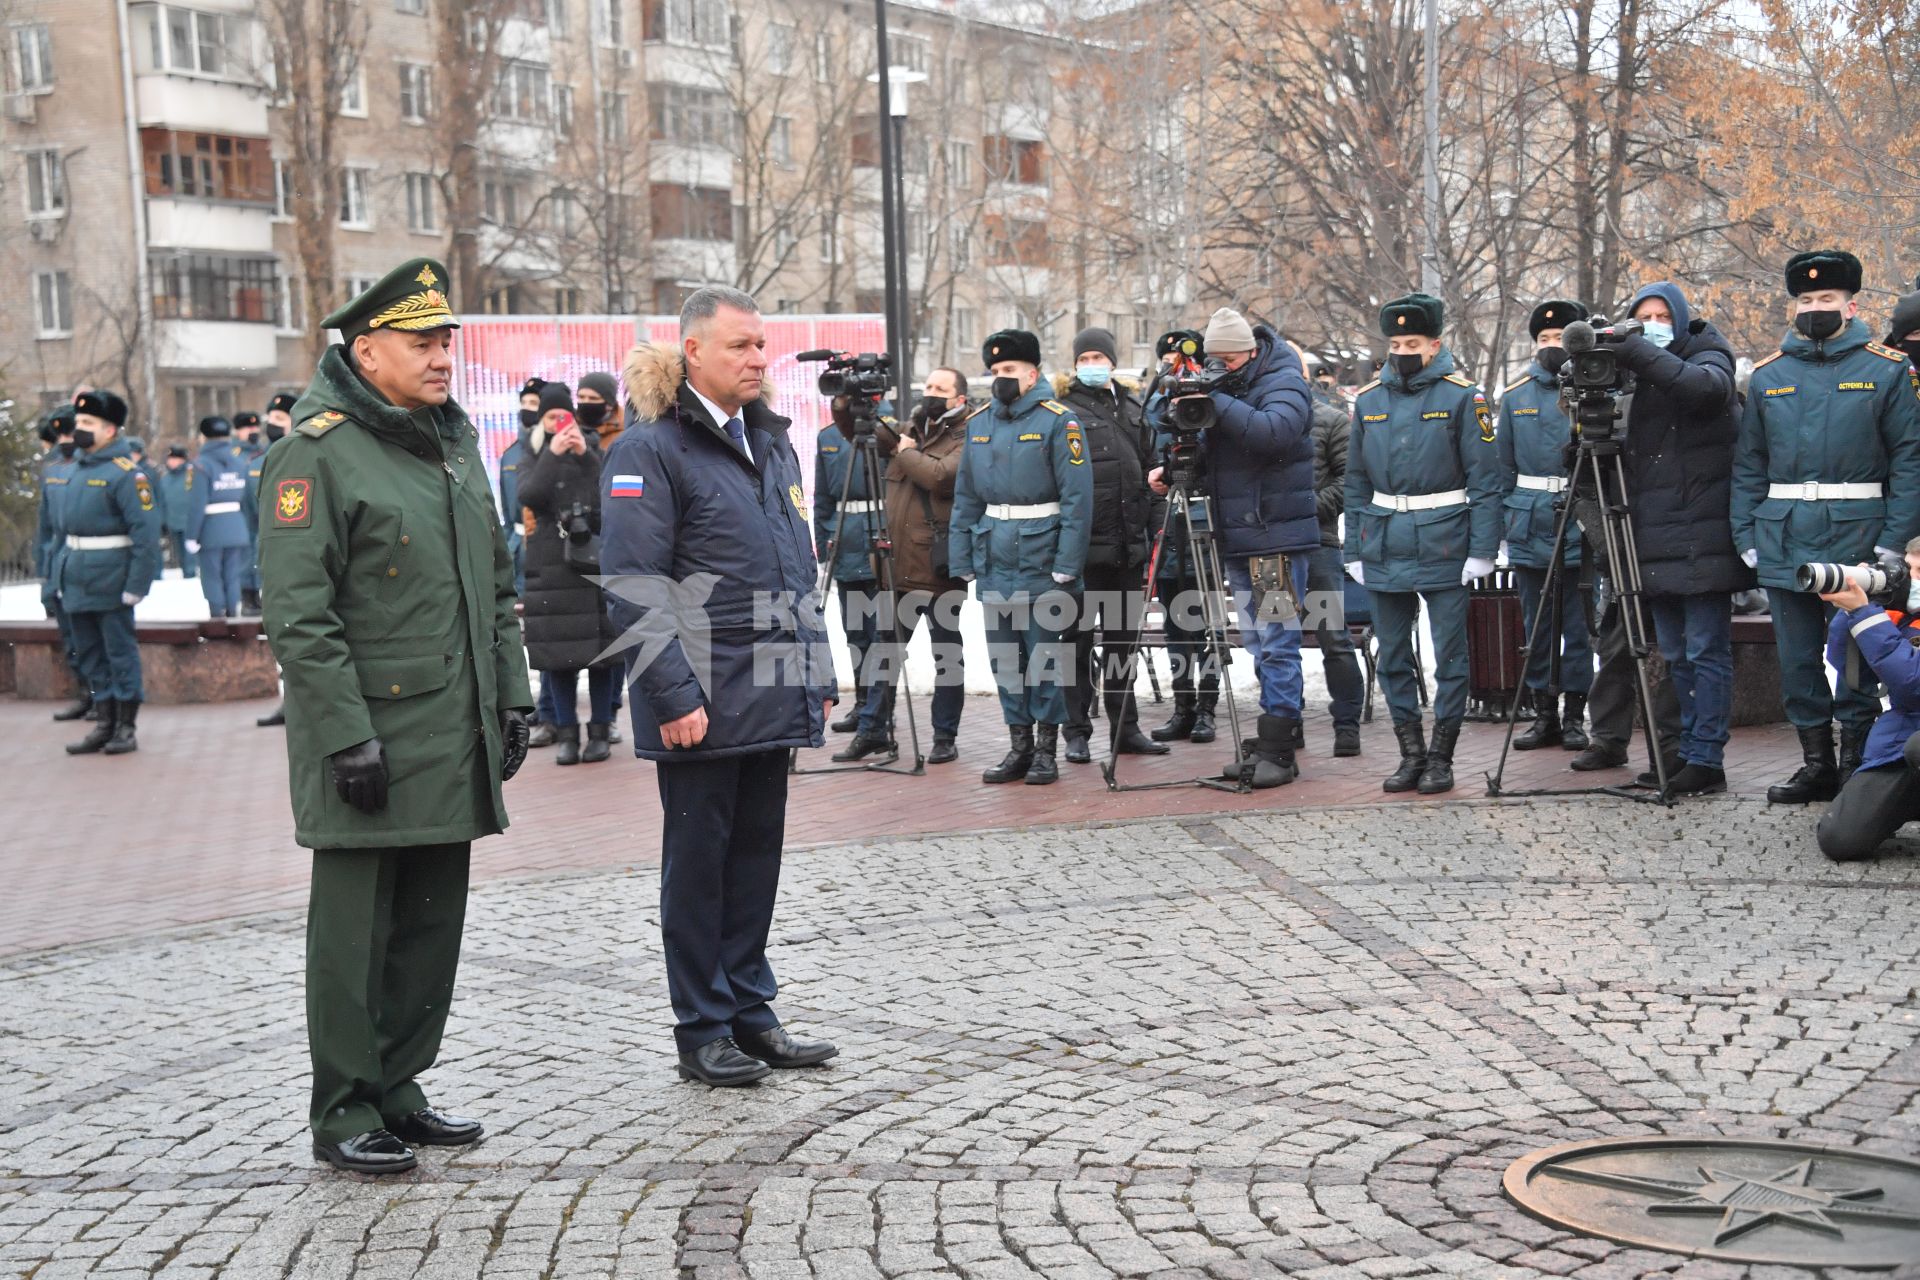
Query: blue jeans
[1576,650]
[1275,645]
[543,709]
[566,687]
[1696,637]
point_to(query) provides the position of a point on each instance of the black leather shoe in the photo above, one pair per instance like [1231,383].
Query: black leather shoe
[848,722]
[1698,780]
[1346,739]
[782,1052]
[429,1128]
[1600,754]
[1650,781]
[80,709]
[868,744]
[1135,743]
[944,752]
[721,1064]
[274,718]
[1203,729]
[1078,750]
[376,1152]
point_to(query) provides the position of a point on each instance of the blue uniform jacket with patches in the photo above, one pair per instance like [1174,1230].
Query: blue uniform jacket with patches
[1432,434]
[56,474]
[176,497]
[1890,645]
[833,459]
[223,495]
[687,519]
[511,461]
[1029,453]
[1532,441]
[1842,411]
[107,496]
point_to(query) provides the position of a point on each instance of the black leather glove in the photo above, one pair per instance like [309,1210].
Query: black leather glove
[514,731]
[360,775]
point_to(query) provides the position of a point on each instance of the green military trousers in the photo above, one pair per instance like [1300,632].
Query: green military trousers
[383,944]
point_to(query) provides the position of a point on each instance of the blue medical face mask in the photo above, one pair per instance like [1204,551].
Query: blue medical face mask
[1913,596]
[1658,332]
[1093,375]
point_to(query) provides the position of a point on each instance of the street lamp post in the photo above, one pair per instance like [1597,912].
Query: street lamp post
[894,211]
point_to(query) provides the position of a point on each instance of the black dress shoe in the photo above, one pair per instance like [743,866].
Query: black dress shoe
[1135,743]
[866,744]
[376,1152]
[429,1128]
[944,752]
[778,1049]
[274,718]
[1698,780]
[721,1064]
[1077,749]
[848,722]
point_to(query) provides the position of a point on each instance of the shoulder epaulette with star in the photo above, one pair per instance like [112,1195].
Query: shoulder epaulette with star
[977,412]
[125,464]
[1888,353]
[1370,386]
[1459,379]
[1513,387]
[1054,405]
[321,423]
[1763,363]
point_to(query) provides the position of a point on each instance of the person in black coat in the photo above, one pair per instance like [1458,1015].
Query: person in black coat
[566,622]
[1118,441]
[1681,433]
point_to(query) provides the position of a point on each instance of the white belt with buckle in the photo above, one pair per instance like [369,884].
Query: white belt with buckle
[1421,501]
[1545,484]
[1021,511]
[861,507]
[1814,491]
[222,508]
[97,542]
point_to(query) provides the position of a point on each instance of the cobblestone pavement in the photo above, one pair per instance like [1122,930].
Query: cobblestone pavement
[1300,1043]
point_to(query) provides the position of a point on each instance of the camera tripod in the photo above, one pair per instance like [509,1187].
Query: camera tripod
[1599,476]
[866,463]
[1210,583]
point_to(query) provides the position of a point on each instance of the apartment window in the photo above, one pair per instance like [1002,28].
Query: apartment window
[563,110]
[909,52]
[556,15]
[207,166]
[354,208]
[613,119]
[701,22]
[610,23]
[963,339]
[32,58]
[621,302]
[865,142]
[780,141]
[1015,241]
[353,94]
[282,191]
[46,184]
[1143,335]
[504,301]
[691,213]
[959,165]
[823,57]
[563,213]
[196,400]
[410,6]
[500,202]
[525,93]
[207,286]
[355,285]
[53,303]
[785,241]
[960,245]
[690,117]
[1015,160]
[195,43]
[1116,324]
[291,319]
[829,237]
[416,92]
[780,49]
[422,211]
[566,302]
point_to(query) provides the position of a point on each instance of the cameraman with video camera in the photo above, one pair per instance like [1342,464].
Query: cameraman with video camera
[845,516]
[1883,792]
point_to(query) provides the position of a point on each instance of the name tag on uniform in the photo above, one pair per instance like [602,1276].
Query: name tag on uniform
[1373,417]
[1031,435]
[983,439]
[1432,414]
[829,448]
[1857,386]
[1771,392]
[627,487]
[97,484]
[1526,413]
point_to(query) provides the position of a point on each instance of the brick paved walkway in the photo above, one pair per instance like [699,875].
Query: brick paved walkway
[1289,1042]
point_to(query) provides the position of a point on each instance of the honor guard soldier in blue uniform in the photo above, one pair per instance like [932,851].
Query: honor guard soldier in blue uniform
[109,523]
[1022,520]
[56,477]
[1423,521]
[279,419]
[839,474]
[1828,470]
[218,531]
[247,434]
[175,487]
[1532,441]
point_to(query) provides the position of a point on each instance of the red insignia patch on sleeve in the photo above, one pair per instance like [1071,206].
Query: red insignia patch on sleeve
[293,504]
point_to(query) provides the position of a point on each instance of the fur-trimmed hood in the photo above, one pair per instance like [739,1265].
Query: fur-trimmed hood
[1063,382]
[653,374]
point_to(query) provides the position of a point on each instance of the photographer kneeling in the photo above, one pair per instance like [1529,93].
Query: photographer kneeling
[1884,792]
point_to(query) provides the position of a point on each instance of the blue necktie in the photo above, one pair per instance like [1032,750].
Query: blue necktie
[737,430]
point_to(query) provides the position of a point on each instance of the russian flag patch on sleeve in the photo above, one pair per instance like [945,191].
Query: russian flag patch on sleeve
[627,487]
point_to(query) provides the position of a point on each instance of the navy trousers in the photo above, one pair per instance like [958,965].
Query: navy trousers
[1395,615]
[108,653]
[189,563]
[1576,649]
[719,874]
[223,571]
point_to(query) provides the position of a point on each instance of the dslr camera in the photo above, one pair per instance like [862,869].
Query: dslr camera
[1884,586]
[578,523]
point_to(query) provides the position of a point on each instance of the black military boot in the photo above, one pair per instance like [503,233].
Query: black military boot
[1573,729]
[1044,769]
[77,709]
[102,731]
[122,741]
[1438,775]
[1545,729]
[1346,738]
[1818,777]
[598,747]
[1853,746]
[1176,729]
[1273,759]
[566,738]
[1413,756]
[1014,765]
[1203,730]
[274,718]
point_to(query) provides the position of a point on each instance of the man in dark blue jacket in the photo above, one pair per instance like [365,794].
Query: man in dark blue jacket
[1259,460]
[1883,793]
[703,517]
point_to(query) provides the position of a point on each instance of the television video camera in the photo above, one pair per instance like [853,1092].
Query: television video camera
[864,378]
[1593,380]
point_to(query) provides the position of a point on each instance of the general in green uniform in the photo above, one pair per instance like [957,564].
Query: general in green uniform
[389,602]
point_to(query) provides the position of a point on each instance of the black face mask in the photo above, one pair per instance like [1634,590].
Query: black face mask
[590,415]
[67,447]
[933,408]
[528,417]
[1819,325]
[275,433]
[83,439]
[1913,351]
[1551,358]
[1408,365]
[1007,390]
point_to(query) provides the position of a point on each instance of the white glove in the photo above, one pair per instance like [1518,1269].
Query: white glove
[1502,557]
[193,548]
[1063,578]
[1476,567]
[966,577]
[1357,571]
[129,599]
[1750,558]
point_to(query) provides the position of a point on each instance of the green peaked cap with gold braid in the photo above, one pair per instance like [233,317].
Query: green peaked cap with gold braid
[411,297]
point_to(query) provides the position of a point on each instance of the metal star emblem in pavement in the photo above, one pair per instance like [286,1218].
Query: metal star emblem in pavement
[1745,1203]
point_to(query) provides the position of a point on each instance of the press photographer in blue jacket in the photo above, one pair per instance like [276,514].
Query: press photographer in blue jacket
[1883,793]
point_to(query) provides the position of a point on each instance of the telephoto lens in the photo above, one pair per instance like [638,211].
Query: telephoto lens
[1825,579]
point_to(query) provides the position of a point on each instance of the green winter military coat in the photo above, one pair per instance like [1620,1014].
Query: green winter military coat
[389,599]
